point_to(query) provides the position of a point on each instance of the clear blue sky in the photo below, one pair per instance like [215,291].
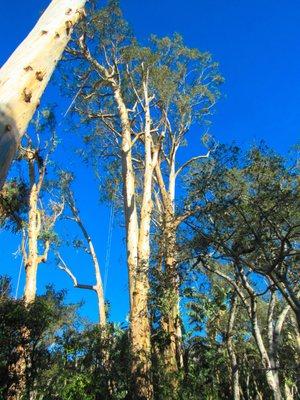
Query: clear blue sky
[257,44]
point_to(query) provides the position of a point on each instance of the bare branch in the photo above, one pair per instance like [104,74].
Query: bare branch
[63,266]
[186,164]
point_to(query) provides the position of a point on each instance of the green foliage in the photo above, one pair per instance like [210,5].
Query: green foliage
[13,204]
[43,318]
[246,220]
[253,209]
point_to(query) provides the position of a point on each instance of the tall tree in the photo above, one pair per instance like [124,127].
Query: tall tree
[37,230]
[44,208]
[186,83]
[105,70]
[39,226]
[149,99]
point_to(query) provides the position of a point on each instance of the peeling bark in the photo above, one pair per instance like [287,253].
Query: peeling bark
[137,224]
[138,250]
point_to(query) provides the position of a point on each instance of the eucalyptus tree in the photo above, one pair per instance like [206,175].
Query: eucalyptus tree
[37,224]
[25,75]
[186,83]
[267,347]
[141,103]
[109,57]
[44,208]
[249,326]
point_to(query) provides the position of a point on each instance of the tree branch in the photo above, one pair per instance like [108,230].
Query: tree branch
[186,164]
[63,266]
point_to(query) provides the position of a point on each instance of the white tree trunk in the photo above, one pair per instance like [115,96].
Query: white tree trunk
[25,75]
[235,380]
[98,287]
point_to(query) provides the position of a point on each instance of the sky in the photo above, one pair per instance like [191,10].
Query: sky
[257,46]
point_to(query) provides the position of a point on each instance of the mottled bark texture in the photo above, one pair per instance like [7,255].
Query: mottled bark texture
[25,75]
[138,248]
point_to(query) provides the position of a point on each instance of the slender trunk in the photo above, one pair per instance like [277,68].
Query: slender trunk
[288,393]
[98,288]
[25,75]
[291,297]
[171,322]
[297,335]
[18,370]
[247,384]
[235,383]
[273,343]
[269,372]
[32,260]
[130,209]
[138,251]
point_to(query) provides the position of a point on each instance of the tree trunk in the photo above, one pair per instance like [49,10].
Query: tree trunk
[291,296]
[269,372]
[235,383]
[138,251]
[171,322]
[31,262]
[18,370]
[266,359]
[130,209]
[98,288]
[25,75]
[32,259]
[288,392]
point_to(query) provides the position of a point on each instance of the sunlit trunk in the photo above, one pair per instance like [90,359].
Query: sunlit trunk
[31,262]
[25,75]
[131,218]
[98,287]
[32,259]
[18,370]
[271,377]
[235,383]
[138,251]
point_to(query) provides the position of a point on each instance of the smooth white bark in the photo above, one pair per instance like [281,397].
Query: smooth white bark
[25,75]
